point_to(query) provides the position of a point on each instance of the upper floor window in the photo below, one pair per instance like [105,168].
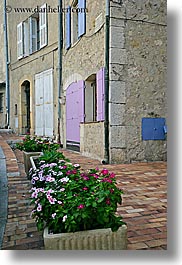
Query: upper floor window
[1,102]
[75,22]
[32,33]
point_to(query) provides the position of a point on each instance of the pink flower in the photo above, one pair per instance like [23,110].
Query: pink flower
[111,190]
[108,201]
[104,171]
[106,180]
[85,177]
[112,175]
[81,206]
[39,208]
[51,199]
[35,194]
[85,188]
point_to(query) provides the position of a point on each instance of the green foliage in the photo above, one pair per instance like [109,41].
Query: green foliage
[67,199]
[37,144]
[52,156]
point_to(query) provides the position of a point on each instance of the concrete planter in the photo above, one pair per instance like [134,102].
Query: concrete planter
[27,162]
[99,239]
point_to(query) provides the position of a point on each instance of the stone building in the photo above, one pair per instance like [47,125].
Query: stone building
[136,105]
[33,47]
[2,73]
[111,104]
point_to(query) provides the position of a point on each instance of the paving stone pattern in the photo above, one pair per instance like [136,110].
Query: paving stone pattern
[144,207]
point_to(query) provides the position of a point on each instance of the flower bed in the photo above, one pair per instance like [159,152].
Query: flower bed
[37,144]
[67,199]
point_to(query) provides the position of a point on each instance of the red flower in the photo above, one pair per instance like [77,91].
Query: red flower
[108,201]
[104,171]
[111,190]
[112,175]
[81,206]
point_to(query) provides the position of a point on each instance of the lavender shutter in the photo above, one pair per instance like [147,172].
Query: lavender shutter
[81,100]
[81,17]
[100,95]
[68,28]
[74,112]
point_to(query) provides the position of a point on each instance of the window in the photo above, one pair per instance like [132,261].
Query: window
[16,109]
[75,22]
[94,97]
[32,33]
[91,99]
[1,102]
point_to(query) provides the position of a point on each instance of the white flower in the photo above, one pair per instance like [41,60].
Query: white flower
[66,179]
[64,218]
[53,215]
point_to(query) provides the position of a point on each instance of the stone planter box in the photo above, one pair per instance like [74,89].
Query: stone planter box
[33,161]
[27,162]
[99,239]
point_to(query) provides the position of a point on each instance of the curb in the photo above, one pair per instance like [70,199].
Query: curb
[4,196]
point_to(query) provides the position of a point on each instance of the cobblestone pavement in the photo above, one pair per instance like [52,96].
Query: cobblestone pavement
[144,207]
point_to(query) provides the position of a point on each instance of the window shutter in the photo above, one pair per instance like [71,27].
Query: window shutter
[68,28]
[48,103]
[20,40]
[81,100]
[100,95]
[26,38]
[39,105]
[43,26]
[33,34]
[81,17]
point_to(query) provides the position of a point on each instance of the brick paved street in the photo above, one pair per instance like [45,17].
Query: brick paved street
[144,206]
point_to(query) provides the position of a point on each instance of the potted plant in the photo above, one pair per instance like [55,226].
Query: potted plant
[34,146]
[76,209]
[49,156]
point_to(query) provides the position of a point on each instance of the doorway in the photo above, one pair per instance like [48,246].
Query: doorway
[25,107]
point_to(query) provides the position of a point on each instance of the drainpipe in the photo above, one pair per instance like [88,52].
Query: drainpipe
[106,125]
[7,67]
[60,46]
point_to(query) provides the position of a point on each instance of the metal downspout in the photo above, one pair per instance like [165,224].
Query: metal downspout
[106,125]
[7,67]
[60,46]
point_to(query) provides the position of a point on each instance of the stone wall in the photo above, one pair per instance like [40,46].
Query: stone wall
[2,70]
[138,77]
[84,58]
[26,68]
[92,140]
[2,57]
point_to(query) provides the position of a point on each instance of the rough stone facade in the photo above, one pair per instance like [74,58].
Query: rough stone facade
[2,57]
[92,140]
[2,72]
[27,67]
[137,74]
[138,77]
[83,59]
